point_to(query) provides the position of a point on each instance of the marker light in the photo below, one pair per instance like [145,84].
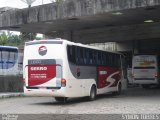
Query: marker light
[156,75]
[63,82]
[117,13]
[148,21]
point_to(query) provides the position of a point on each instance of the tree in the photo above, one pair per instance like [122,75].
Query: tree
[14,40]
[25,36]
[3,38]
[10,39]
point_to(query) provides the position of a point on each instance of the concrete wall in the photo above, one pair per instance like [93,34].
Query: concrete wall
[69,9]
[111,46]
[11,83]
[115,46]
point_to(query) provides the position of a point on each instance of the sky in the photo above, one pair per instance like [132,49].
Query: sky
[20,4]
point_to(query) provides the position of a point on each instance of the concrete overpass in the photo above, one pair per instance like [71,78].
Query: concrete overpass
[134,24]
[89,21]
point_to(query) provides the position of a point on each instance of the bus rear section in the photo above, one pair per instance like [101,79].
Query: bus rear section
[145,70]
[43,68]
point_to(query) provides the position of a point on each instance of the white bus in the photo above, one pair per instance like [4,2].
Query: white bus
[145,70]
[8,60]
[64,69]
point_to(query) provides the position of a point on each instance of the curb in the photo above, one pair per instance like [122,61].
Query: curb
[9,95]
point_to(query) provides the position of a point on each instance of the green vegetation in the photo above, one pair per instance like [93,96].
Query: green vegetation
[10,39]
[3,39]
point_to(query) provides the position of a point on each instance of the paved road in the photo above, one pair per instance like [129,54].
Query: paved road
[133,100]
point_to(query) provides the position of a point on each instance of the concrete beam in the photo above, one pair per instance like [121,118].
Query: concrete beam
[118,34]
[70,9]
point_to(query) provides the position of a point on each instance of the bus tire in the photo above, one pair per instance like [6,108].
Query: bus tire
[61,99]
[93,93]
[119,90]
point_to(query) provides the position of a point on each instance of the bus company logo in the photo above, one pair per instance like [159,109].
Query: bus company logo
[42,50]
[38,68]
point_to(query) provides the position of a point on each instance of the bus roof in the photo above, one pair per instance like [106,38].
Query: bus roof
[8,47]
[60,41]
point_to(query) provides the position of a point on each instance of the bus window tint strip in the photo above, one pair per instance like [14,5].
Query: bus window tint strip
[91,57]
[151,67]
[144,78]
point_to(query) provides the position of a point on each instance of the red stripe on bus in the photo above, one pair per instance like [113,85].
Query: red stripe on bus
[108,76]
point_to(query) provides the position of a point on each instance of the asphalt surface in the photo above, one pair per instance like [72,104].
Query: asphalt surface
[131,101]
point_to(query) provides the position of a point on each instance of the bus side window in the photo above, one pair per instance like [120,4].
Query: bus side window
[103,58]
[99,58]
[124,66]
[79,55]
[84,56]
[115,62]
[111,60]
[7,61]
[5,58]
[11,59]
[107,59]
[118,61]
[71,54]
[1,61]
[94,52]
[87,56]
[90,57]
[158,61]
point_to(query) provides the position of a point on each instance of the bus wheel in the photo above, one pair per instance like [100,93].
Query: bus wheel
[118,92]
[92,93]
[61,99]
